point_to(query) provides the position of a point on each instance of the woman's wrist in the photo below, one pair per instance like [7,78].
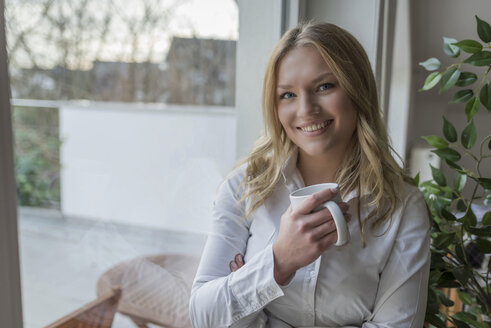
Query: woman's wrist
[282,274]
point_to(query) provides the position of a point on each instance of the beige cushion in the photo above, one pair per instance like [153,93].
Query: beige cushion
[155,289]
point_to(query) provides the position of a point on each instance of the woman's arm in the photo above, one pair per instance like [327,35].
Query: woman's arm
[220,298]
[402,292]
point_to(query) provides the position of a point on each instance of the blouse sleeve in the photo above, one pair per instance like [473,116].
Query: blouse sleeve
[220,298]
[402,293]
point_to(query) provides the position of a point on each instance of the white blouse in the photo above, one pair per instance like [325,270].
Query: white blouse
[381,285]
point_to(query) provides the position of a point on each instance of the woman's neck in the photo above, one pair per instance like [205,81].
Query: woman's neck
[317,169]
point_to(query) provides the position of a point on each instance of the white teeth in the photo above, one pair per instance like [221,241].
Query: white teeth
[314,127]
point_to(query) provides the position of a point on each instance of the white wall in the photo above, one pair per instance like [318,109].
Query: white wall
[400,90]
[259,30]
[359,17]
[156,167]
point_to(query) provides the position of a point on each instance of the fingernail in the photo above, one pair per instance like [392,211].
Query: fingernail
[233,265]
[240,259]
[334,190]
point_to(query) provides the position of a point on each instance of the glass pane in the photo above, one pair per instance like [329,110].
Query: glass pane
[124,125]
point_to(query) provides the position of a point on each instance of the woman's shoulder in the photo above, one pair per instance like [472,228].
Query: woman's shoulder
[414,207]
[410,193]
[232,182]
[237,174]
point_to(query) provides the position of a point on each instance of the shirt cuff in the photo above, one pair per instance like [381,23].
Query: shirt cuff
[253,285]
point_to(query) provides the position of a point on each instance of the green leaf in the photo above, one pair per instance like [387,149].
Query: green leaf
[459,250]
[462,275]
[449,78]
[483,30]
[486,220]
[469,136]
[447,153]
[447,215]
[465,316]
[469,219]
[484,245]
[444,283]
[485,96]
[465,298]
[430,187]
[447,280]
[448,47]
[460,324]
[436,141]
[462,96]
[449,131]
[459,181]
[469,318]
[466,78]
[438,176]
[416,179]
[434,274]
[469,46]
[481,232]
[485,182]
[453,165]
[471,108]
[431,64]
[481,58]
[434,320]
[443,240]
[431,81]
[445,300]
[461,207]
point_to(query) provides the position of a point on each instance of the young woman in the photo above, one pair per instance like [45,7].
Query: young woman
[322,124]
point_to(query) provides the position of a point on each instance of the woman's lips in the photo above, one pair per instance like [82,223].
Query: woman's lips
[315,129]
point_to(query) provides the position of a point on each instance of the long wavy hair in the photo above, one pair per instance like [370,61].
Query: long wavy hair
[368,166]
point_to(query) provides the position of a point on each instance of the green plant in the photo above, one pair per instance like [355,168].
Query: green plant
[454,235]
[36,149]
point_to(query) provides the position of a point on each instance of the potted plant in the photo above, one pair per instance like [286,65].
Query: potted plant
[460,238]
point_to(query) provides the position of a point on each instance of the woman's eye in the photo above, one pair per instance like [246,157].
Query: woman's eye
[325,86]
[286,95]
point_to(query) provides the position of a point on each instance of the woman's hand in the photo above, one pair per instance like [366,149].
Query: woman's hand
[304,235]
[237,263]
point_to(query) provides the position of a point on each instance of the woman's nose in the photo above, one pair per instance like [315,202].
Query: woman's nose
[308,105]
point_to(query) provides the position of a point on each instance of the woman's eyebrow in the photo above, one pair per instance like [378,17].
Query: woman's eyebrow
[322,76]
[317,79]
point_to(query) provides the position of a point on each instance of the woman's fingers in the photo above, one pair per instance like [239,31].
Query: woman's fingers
[310,203]
[322,230]
[315,219]
[237,263]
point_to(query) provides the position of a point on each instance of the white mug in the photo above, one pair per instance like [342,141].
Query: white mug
[299,195]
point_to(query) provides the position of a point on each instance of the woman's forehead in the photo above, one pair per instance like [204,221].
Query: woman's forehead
[302,63]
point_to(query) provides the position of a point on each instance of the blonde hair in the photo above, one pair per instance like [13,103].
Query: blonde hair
[369,166]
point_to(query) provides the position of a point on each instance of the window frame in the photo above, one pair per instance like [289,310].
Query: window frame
[10,298]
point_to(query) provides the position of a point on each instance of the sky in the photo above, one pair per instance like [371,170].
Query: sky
[217,19]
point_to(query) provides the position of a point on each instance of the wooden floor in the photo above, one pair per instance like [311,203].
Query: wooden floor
[62,258]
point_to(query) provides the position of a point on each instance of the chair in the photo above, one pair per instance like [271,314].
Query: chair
[96,314]
[155,289]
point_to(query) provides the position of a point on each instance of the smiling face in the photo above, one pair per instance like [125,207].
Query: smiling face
[315,112]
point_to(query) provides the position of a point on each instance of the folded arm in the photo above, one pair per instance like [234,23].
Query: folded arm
[220,298]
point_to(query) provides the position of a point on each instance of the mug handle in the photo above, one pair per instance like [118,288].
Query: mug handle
[341,226]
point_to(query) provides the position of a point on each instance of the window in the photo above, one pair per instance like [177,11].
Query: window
[124,125]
